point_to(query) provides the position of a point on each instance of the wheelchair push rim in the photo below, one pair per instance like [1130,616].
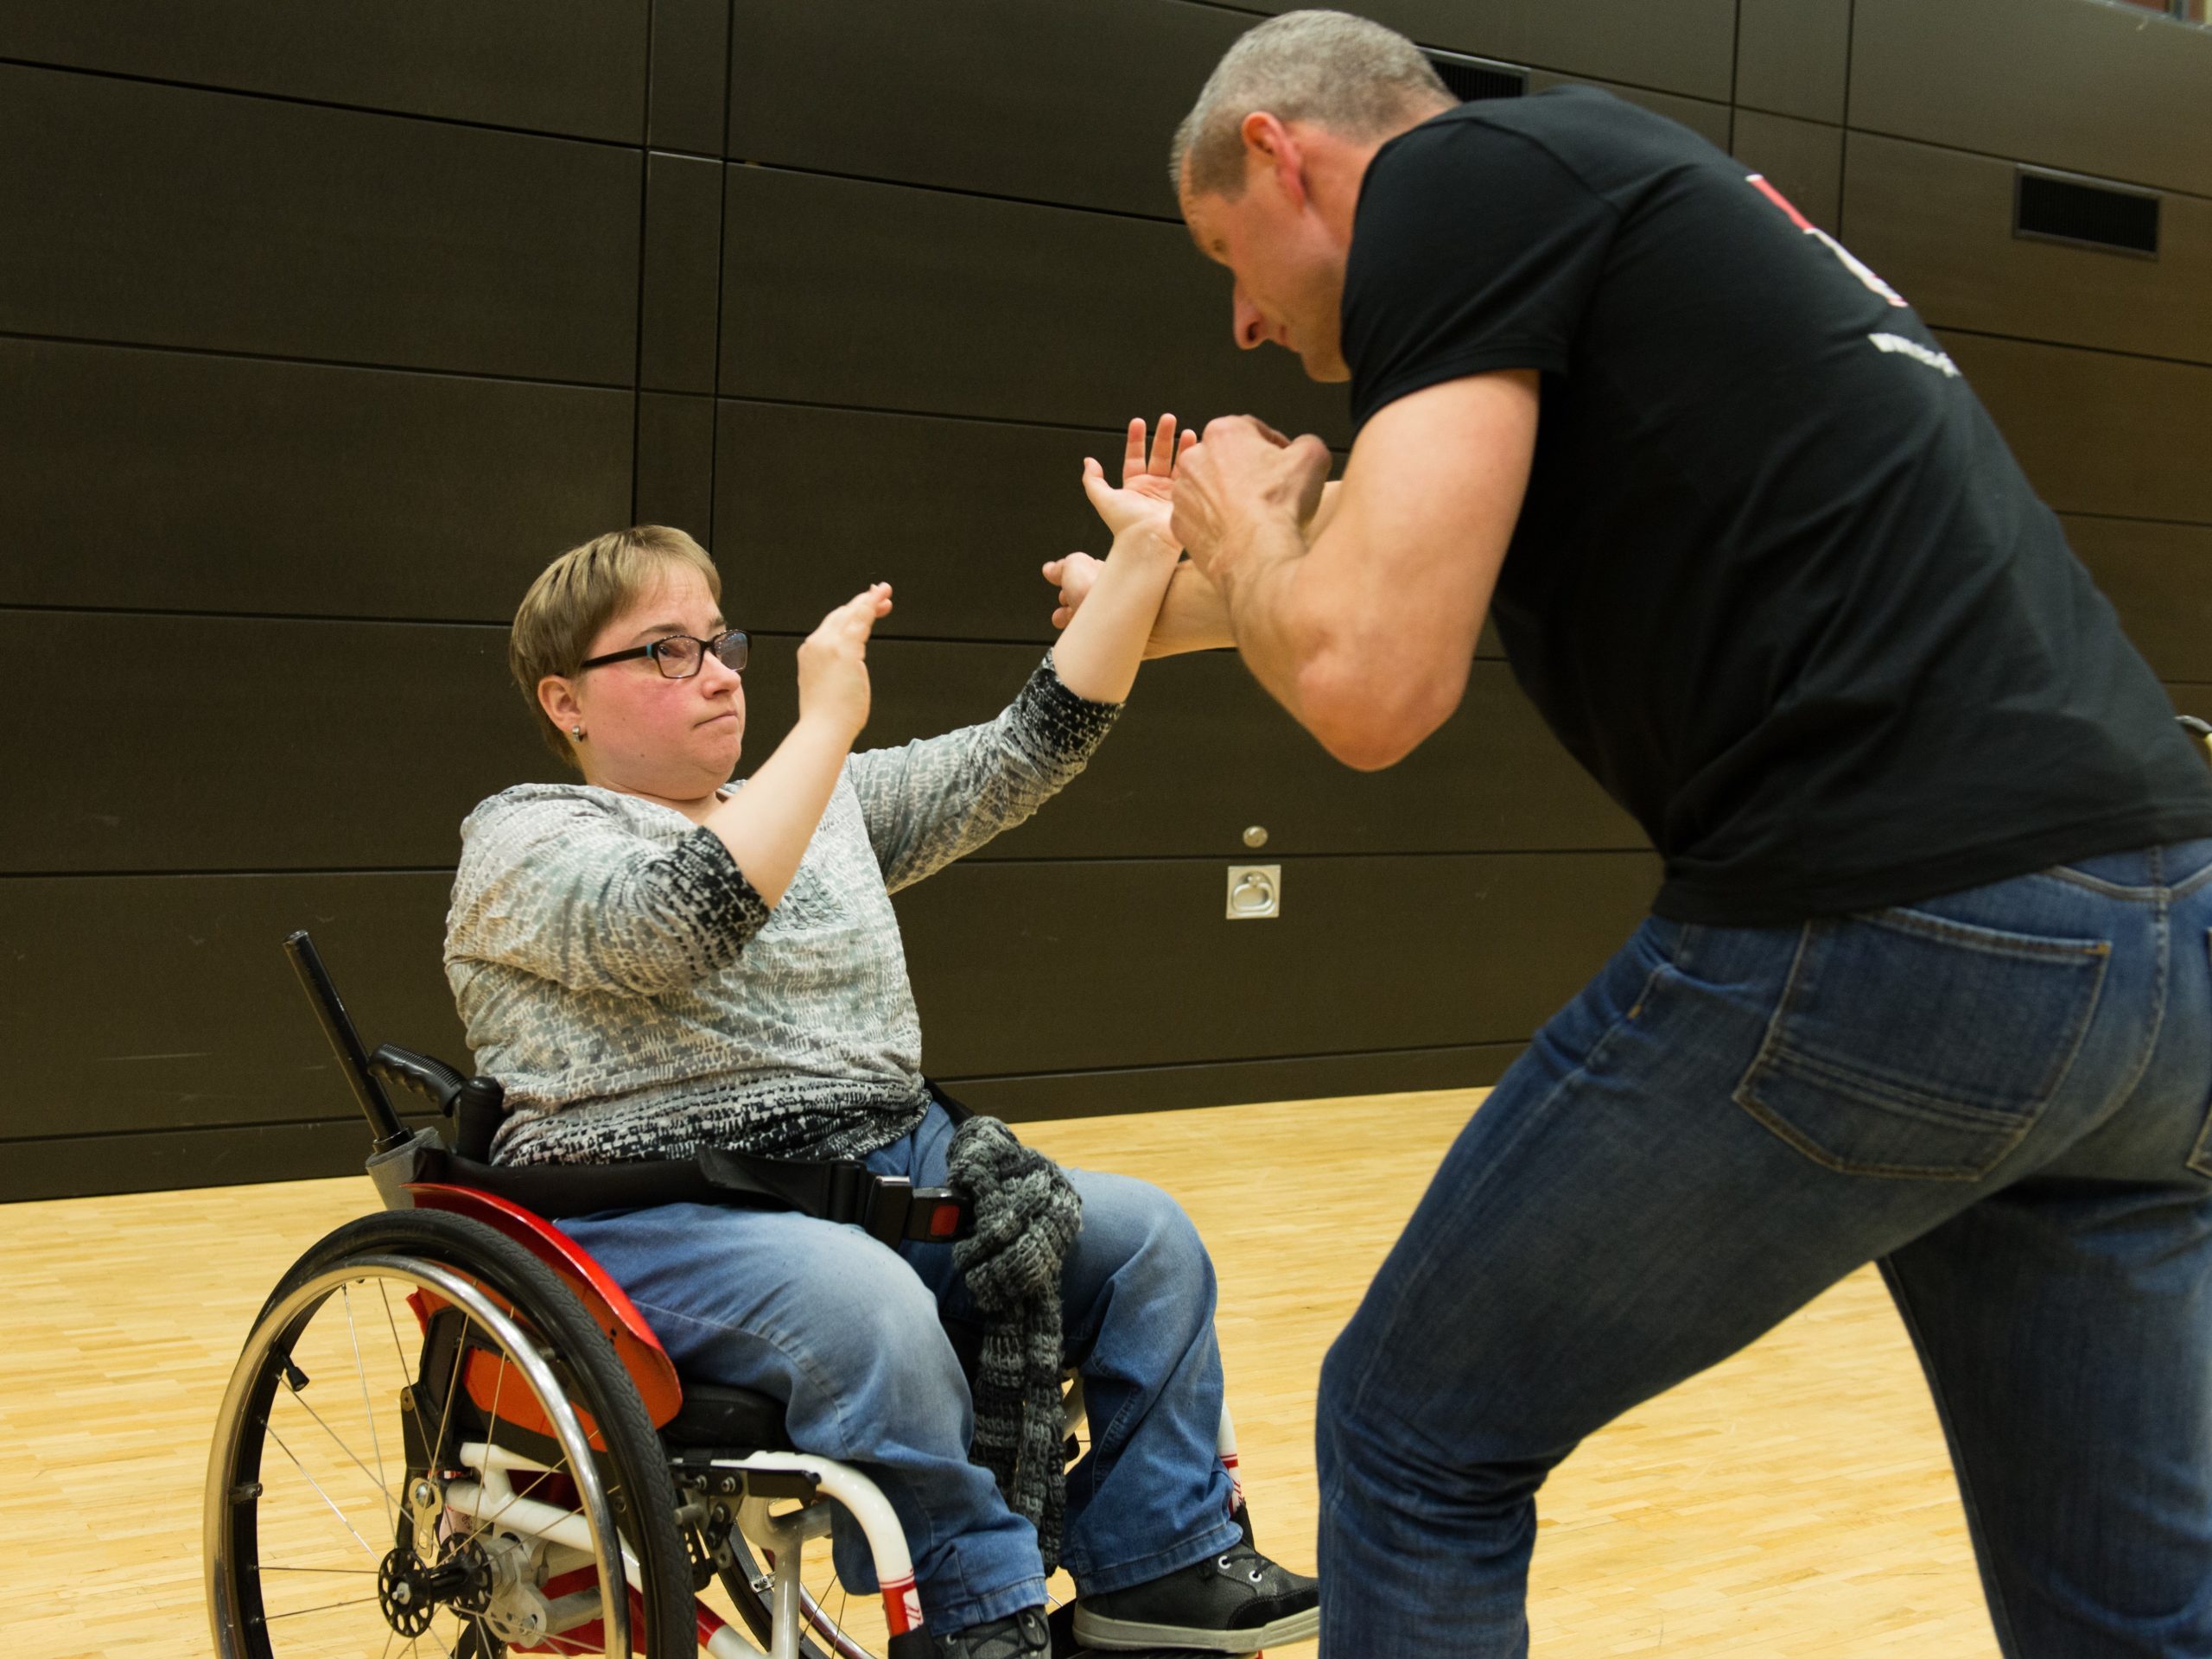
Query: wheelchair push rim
[355,1564]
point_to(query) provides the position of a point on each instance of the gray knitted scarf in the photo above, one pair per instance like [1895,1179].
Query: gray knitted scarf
[1027,1217]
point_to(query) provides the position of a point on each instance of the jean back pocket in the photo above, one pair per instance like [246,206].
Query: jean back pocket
[1909,1045]
[2200,1157]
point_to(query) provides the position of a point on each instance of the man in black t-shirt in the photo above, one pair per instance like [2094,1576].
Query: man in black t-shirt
[1926,982]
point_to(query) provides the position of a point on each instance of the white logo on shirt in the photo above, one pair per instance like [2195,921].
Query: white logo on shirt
[1918,353]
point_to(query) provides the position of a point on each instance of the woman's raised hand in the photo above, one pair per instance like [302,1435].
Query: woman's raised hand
[833,662]
[1147,491]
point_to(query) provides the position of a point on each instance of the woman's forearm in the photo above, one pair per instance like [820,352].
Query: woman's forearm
[767,825]
[1098,654]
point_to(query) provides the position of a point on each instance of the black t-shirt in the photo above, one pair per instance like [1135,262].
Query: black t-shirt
[1776,583]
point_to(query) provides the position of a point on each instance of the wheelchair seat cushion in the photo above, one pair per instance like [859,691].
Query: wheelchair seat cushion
[727,1419]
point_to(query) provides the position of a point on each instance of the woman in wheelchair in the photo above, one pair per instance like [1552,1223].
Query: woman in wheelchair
[656,961]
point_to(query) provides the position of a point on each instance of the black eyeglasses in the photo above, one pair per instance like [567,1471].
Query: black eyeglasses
[680,656]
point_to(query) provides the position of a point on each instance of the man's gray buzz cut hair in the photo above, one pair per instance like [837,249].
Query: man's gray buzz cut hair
[1346,73]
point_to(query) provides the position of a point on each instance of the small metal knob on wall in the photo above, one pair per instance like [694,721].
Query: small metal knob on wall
[1254,891]
[1256,837]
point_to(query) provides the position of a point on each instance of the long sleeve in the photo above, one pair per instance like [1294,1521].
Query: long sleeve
[931,801]
[554,885]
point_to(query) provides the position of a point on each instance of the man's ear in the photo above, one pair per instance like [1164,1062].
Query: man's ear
[1272,151]
[556,696]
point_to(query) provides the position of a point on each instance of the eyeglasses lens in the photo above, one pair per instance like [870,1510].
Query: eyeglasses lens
[677,658]
[734,650]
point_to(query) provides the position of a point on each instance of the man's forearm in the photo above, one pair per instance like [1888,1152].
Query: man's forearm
[1257,582]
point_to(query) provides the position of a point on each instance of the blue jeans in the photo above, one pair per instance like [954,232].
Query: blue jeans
[2000,1094]
[851,1337]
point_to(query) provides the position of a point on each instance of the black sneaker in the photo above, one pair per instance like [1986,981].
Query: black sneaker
[1023,1635]
[1238,1602]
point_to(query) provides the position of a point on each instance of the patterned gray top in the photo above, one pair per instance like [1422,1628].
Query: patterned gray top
[618,973]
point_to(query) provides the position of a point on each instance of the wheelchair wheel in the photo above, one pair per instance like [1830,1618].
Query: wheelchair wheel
[429,1446]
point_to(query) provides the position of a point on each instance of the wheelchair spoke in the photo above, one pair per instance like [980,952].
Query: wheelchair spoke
[325,1496]
[361,1371]
[328,1606]
[398,1348]
[390,1513]
[445,1414]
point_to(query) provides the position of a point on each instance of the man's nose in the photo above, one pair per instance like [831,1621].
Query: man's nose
[1250,327]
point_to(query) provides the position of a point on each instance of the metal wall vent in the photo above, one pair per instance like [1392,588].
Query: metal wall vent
[1470,78]
[2060,207]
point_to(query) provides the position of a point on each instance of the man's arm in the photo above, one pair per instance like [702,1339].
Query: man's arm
[1364,623]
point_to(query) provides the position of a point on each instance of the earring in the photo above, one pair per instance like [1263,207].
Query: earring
[576,732]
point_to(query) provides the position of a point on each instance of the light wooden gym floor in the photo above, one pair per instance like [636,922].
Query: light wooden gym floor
[1795,1501]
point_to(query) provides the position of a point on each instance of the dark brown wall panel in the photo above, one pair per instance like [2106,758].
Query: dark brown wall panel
[156,215]
[1793,56]
[167,1161]
[578,67]
[165,1002]
[794,535]
[1367,953]
[1681,46]
[171,480]
[675,464]
[883,296]
[1711,122]
[680,296]
[1938,224]
[2097,433]
[2159,579]
[1057,100]
[1801,159]
[1202,754]
[2098,88]
[690,74]
[207,743]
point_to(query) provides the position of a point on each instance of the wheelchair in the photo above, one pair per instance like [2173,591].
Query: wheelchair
[450,1432]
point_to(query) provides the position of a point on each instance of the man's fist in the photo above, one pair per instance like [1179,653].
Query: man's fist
[1242,472]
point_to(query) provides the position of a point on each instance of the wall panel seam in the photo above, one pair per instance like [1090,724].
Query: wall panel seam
[235,355]
[2131,519]
[2020,160]
[2070,346]
[975,860]
[1525,63]
[297,101]
[415,1121]
[955,190]
[645,233]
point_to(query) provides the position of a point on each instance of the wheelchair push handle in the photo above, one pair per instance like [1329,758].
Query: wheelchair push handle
[434,1080]
[345,1041]
[477,1105]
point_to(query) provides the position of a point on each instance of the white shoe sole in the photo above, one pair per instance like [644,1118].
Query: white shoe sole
[1120,1635]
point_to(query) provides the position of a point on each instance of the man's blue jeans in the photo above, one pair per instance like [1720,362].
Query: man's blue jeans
[838,1325]
[2000,1094]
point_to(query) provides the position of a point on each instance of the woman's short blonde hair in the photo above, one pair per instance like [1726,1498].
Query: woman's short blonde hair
[579,593]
